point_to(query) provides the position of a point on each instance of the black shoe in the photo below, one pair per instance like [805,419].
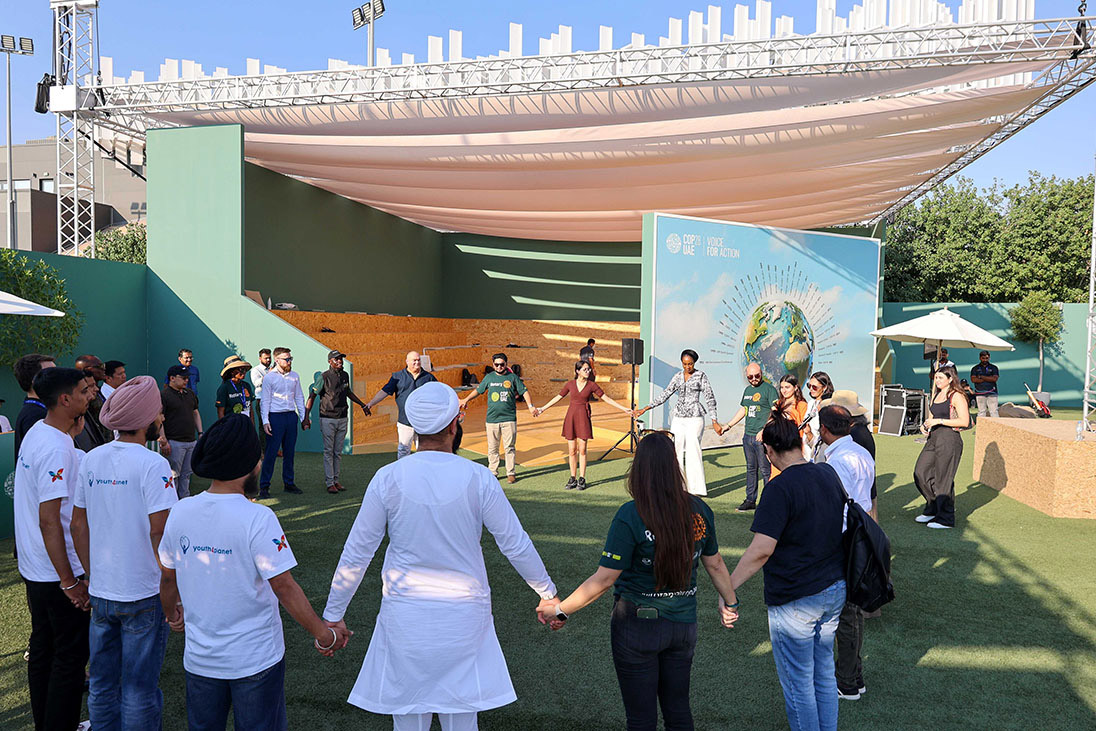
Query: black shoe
[572,483]
[860,684]
[264,494]
[848,694]
[294,489]
[746,506]
[582,483]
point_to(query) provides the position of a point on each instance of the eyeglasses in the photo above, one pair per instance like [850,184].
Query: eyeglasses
[499,364]
[753,378]
[813,387]
[286,358]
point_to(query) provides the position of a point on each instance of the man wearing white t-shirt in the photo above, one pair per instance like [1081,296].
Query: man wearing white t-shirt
[123,496]
[45,474]
[856,468]
[226,565]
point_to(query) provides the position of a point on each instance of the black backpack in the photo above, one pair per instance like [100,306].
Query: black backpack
[867,557]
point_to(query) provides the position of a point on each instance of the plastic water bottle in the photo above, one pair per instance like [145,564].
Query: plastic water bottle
[1080,430]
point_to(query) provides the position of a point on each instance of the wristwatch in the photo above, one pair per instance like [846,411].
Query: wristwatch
[560,614]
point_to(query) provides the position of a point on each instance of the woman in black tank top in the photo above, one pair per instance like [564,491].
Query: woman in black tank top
[934,473]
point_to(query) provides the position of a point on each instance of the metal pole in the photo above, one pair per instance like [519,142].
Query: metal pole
[11,189]
[1088,395]
[369,44]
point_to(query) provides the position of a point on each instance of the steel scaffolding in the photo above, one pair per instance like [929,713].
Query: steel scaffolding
[72,98]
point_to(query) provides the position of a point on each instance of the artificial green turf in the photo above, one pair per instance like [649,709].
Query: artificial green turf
[991,628]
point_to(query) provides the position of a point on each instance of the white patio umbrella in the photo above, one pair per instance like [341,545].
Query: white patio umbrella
[946,329]
[12,305]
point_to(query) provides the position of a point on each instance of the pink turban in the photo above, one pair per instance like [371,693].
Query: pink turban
[133,405]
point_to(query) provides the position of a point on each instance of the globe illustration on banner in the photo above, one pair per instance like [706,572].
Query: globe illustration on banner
[779,338]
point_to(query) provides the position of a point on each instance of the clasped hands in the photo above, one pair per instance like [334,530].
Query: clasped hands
[335,637]
[546,613]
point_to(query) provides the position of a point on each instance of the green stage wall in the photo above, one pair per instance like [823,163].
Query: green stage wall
[111,295]
[1064,364]
[196,230]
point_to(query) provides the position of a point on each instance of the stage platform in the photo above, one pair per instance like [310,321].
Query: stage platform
[539,441]
[1040,463]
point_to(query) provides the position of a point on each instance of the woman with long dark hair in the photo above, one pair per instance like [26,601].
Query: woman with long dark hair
[791,404]
[819,387]
[934,473]
[577,428]
[797,542]
[650,560]
[687,425]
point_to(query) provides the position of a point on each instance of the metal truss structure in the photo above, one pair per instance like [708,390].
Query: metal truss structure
[130,107]
[73,94]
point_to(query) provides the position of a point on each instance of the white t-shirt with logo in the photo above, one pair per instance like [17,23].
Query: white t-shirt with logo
[225,549]
[46,469]
[120,485]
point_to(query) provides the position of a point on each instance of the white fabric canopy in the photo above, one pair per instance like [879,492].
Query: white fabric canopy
[946,329]
[807,151]
[12,305]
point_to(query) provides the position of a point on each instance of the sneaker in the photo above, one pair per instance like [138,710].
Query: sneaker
[582,483]
[84,726]
[572,483]
[294,489]
[339,487]
[863,688]
[511,479]
[26,655]
[746,507]
[264,494]
[848,694]
[941,526]
[333,490]
[925,518]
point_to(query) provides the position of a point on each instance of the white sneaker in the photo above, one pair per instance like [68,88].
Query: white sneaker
[84,726]
[934,524]
[925,518]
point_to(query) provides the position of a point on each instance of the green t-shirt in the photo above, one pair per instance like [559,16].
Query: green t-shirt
[502,393]
[758,402]
[631,548]
[234,398]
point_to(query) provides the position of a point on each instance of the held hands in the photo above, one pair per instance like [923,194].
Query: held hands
[717,427]
[366,410]
[78,595]
[175,620]
[546,613]
[728,615]
[268,430]
[334,637]
[306,424]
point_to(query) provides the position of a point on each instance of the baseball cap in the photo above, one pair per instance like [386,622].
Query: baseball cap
[178,370]
[333,354]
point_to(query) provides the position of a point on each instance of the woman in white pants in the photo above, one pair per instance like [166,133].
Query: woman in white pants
[687,424]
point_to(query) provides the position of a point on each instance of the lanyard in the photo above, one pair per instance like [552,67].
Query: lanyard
[34,401]
[237,390]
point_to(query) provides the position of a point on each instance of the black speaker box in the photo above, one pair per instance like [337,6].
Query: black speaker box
[631,351]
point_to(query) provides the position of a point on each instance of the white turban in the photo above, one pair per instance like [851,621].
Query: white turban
[431,407]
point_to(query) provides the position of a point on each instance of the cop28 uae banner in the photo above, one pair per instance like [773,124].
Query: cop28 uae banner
[793,301]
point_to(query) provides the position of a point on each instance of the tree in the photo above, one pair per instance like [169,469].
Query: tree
[125,243]
[1037,320]
[959,244]
[41,283]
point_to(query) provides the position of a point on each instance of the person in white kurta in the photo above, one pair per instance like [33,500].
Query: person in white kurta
[434,648]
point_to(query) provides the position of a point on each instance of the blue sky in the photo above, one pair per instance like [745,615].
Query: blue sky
[299,36]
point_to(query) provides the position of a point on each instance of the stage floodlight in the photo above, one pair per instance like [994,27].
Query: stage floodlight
[358,16]
[378,8]
[26,46]
[7,43]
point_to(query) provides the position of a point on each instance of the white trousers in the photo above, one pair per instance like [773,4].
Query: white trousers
[687,431]
[449,721]
[406,439]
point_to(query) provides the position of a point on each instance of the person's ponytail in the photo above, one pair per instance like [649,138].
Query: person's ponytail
[658,487]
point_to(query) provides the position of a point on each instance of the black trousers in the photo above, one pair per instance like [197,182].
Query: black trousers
[58,657]
[653,660]
[934,473]
[849,640]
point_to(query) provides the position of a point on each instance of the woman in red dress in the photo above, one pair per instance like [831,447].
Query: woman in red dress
[576,423]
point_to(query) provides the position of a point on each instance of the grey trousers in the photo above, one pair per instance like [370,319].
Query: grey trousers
[987,405]
[179,459]
[334,434]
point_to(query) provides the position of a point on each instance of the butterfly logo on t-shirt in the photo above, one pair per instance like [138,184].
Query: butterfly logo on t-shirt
[167,481]
[55,476]
[280,543]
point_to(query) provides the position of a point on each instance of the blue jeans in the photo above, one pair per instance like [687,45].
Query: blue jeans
[127,641]
[802,636]
[257,701]
[756,462]
[283,428]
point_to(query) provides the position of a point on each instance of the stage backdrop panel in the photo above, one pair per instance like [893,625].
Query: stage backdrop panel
[794,301]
